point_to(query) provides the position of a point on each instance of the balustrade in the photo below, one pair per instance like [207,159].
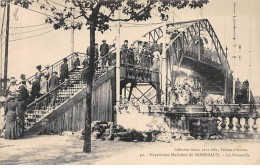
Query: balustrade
[254,126]
[246,112]
[228,114]
[230,125]
[223,124]
[238,125]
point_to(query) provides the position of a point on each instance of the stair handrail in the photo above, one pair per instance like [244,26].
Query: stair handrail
[31,78]
[61,84]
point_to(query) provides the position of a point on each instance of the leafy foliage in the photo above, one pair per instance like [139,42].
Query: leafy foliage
[101,12]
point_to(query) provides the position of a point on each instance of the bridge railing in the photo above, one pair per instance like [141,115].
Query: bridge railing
[141,60]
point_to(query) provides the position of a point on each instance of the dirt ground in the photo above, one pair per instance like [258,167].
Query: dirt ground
[57,150]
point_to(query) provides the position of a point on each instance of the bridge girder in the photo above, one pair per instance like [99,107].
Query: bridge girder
[182,41]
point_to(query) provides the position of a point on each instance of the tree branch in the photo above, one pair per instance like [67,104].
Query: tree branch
[78,4]
[126,20]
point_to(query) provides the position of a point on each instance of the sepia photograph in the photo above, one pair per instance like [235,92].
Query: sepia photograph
[129,82]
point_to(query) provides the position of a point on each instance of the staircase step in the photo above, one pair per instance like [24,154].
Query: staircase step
[30,111]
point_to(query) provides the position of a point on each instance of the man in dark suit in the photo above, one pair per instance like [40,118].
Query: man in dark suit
[124,52]
[22,100]
[35,92]
[104,48]
[64,70]
[64,73]
[53,83]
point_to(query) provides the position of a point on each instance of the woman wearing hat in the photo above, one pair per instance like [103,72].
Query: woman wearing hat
[39,74]
[12,87]
[11,117]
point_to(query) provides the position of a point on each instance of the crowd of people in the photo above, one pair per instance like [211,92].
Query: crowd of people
[13,109]
[20,94]
[138,53]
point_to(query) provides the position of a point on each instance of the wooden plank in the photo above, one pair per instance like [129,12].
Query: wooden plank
[66,120]
[80,106]
[62,122]
[76,117]
[73,117]
[55,125]
[110,74]
[113,87]
[84,107]
[70,118]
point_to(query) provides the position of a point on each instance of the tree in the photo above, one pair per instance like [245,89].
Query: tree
[96,15]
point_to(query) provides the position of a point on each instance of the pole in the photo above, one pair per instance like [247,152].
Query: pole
[234,47]
[6,46]
[163,65]
[249,82]
[199,44]
[72,33]
[118,66]
[1,54]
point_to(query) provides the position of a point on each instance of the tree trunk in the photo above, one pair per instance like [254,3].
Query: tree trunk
[91,70]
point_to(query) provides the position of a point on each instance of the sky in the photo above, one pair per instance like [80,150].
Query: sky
[53,45]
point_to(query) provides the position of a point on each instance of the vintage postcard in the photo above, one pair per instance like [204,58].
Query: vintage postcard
[129,82]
